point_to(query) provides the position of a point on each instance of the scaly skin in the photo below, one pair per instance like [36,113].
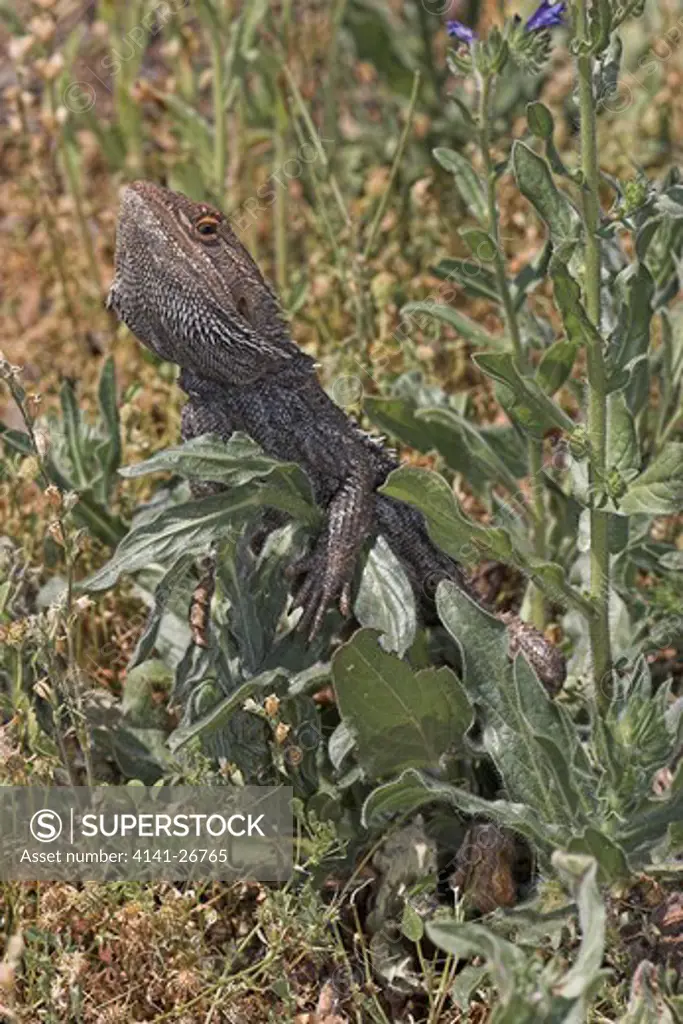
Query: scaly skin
[187,287]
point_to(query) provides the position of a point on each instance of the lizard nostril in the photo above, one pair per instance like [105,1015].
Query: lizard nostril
[243,307]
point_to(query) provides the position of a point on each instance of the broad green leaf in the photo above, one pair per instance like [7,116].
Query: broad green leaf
[505,960]
[190,527]
[412,925]
[138,703]
[469,185]
[623,451]
[467,450]
[16,440]
[174,581]
[646,1005]
[534,410]
[71,419]
[536,183]
[480,243]
[397,417]
[608,855]
[540,120]
[580,330]
[556,365]
[630,340]
[552,579]
[471,274]
[414,789]
[469,330]
[220,714]
[448,527]
[579,874]
[109,408]
[515,708]
[400,718]
[385,599]
[659,490]
[236,461]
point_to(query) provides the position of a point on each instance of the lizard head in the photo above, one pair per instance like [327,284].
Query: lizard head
[187,287]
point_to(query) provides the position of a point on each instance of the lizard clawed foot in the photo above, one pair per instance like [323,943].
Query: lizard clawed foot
[321,586]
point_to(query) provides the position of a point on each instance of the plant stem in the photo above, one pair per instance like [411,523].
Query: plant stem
[218,117]
[535,448]
[427,47]
[333,66]
[597,401]
[280,207]
[398,156]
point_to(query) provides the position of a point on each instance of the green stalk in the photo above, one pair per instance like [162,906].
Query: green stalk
[280,205]
[218,114]
[427,47]
[333,68]
[597,401]
[535,448]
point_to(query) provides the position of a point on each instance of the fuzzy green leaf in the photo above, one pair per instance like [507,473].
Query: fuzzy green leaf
[659,490]
[192,526]
[469,185]
[536,183]
[448,527]
[414,789]
[556,365]
[474,278]
[540,120]
[400,718]
[467,328]
[467,449]
[385,599]
[534,410]
[580,875]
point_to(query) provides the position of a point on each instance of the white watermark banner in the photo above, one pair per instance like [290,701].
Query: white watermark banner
[112,833]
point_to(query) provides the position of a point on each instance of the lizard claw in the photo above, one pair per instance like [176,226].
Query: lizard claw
[319,589]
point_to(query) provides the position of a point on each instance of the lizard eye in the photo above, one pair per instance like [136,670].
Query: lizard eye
[207,225]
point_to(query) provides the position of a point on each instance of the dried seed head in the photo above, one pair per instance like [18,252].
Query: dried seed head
[54,496]
[54,529]
[282,731]
[42,439]
[52,67]
[19,47]
[42,27]
[271,705]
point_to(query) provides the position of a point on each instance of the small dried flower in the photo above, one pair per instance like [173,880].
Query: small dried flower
[54,496]
[19,47]
[271,705]
[71,498]
[29,468]
[52,67]
[282,731]
[43,27]
[42,439]
[54,529]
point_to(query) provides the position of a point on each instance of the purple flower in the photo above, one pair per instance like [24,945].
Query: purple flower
[546,16]
[460,31]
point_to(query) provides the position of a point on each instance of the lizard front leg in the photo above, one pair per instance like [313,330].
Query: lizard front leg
[330,566]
